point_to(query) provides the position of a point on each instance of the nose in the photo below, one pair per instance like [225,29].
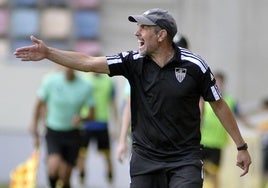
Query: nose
[137,33]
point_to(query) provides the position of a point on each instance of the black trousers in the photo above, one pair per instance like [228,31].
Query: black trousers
[147,173]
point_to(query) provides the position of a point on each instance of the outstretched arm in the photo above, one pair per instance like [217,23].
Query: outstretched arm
[75,60]
[227,119]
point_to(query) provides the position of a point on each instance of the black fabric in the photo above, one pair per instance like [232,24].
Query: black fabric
[147,173]
[53,182]
[101,136]
[165,102]
[64,143]
[212,155]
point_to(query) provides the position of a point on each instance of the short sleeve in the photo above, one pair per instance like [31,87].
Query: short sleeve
[43,91]
[209,88]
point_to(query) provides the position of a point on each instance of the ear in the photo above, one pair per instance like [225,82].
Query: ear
[162,35]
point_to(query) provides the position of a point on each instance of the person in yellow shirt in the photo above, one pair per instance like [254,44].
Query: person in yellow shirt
[97,129]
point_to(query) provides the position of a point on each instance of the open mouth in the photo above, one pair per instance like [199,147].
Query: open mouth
[141,43]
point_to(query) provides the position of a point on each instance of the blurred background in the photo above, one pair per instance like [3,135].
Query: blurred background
[230,35]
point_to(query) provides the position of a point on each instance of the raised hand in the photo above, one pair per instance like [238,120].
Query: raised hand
[36,52]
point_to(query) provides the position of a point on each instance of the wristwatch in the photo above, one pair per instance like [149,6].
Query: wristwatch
[243,147]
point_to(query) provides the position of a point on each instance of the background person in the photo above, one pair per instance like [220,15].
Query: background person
[62,94]
[98,128]
[262,127]
[181,41]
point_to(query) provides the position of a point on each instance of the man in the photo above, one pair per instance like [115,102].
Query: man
[121,151]
[61,97]
[166,85]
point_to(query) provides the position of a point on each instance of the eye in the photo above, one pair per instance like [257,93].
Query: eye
[142,26]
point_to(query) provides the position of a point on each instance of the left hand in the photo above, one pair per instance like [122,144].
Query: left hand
[121,151]
[76,121]
[243,161]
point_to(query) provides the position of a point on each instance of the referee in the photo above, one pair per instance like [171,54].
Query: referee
[166,85]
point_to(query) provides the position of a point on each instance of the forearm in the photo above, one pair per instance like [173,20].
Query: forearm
[77,61]
[39,114]
[228,121]
[123,133]
[124,128]
[122,144]
[126,121]
[231,127]
[34,128]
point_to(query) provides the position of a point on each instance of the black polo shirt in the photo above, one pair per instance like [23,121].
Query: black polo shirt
[165,102]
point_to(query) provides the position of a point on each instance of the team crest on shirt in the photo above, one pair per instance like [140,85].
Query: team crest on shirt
[180,74]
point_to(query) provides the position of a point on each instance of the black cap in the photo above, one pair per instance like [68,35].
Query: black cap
[158,17]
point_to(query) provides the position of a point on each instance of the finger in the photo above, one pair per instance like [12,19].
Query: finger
[21,56]
[119,158]
[240,165]
[244,172]
[35,40]
[22,49]
[244,167]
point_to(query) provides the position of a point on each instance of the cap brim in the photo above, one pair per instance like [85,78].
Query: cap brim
[140,19]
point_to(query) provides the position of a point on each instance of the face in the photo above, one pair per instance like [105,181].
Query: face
[70,73]
[219,83]
[147,39]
